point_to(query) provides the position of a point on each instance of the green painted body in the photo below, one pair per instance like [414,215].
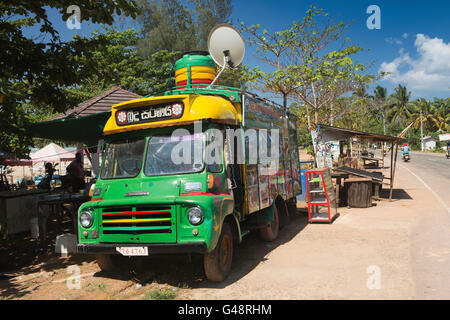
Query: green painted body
[165,193]
[168,194]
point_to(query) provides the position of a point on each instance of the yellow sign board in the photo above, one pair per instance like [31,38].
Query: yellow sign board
[169,111]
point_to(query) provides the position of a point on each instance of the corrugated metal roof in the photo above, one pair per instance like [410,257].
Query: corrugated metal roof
[342,133]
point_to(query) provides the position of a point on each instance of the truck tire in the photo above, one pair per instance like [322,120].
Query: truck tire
[270,233]
[217,263]
[110,262]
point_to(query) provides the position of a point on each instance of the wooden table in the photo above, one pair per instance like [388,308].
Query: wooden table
[376,161]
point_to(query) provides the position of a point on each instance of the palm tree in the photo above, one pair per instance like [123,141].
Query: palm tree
[441,109]
[380,103]
[361,98]
[400,109]
[429,116]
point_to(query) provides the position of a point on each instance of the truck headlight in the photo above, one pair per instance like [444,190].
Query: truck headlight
[195,216]
[86,219]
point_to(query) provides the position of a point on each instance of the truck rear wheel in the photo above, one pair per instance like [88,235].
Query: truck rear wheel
[217,263]
[110,262]
[270,233]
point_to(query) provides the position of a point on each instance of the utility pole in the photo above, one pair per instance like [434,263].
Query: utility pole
[421,130]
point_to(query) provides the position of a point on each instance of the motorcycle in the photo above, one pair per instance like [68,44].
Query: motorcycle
[406,157]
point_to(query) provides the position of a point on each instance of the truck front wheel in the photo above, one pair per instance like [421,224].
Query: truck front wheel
[270,233]
[217,263]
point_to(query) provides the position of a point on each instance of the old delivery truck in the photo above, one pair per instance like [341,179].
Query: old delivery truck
[159,190]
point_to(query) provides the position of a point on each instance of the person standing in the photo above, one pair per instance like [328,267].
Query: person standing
[75,171]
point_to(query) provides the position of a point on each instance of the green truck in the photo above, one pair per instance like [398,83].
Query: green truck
[191,170]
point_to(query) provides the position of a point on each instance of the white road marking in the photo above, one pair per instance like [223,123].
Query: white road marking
[429,189]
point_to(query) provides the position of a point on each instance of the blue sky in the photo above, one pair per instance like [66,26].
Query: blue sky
[395,46]
[413,42]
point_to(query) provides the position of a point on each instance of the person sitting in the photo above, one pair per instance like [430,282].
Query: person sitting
[75,173]
[45,182]
[405,149]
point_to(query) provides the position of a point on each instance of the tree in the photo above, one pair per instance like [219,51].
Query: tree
[361,98]
[166,25]
[423,112]
[116,62]
[36,72]
[380,104]
[274,50]
[400,108]
[301,67]
[441,109]
[324,76]
[169,25]
[210,13]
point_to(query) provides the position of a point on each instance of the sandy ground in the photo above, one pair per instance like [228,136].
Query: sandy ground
[393,250]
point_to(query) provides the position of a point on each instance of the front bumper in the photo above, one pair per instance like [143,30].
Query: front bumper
[110,248]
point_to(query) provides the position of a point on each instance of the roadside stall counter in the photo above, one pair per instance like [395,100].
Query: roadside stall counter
[17,208]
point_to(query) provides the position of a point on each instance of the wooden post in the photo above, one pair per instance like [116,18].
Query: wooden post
[351,147]
[393,169]
[390,171]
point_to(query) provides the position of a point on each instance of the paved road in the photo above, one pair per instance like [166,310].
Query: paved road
[434,170]
[430,241]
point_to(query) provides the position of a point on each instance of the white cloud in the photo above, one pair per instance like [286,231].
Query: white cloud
[430,71]
[391,40]
[405,35]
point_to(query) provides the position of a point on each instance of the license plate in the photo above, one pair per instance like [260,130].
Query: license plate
[133,251]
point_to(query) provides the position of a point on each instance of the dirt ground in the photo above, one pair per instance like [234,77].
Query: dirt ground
[365,254]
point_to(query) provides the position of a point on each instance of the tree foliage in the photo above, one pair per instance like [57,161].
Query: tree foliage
[170,25]
[176,27]
[36,72]
[116,62]
[310,62]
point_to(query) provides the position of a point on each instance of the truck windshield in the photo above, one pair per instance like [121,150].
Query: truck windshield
[123,159]
[168,155]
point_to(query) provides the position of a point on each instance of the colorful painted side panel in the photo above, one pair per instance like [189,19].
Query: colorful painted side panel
[261,114]
[279,177]
[252,187]
[296,180]
[289,183]
[281,180]
[264,194]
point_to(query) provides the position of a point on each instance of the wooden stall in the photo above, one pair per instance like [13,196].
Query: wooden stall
[362,172]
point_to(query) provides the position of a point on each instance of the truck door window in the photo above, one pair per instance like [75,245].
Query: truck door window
[123,159]
[214,152]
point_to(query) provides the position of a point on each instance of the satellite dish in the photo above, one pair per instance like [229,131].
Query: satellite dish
[226,46]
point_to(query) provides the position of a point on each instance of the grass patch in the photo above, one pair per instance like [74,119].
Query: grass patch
[162,294]
[91,287]
[102,286]
[184,285]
